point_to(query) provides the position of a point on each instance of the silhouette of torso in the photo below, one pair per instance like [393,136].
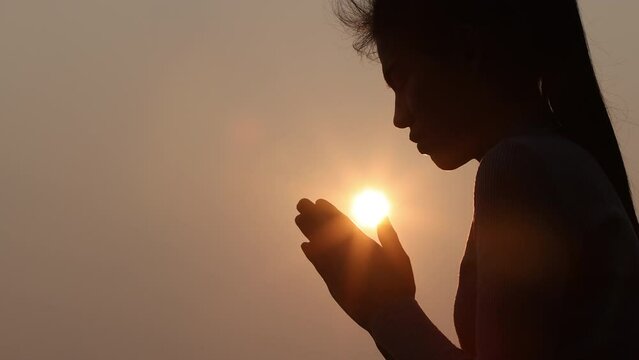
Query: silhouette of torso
[598,317]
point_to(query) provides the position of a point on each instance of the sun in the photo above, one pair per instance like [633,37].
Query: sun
[370,207]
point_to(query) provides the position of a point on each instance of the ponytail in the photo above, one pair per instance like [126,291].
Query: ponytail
[570,85]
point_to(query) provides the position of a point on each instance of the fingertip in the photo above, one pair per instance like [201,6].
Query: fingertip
[304,205]
[384,223]
[325,205]
[322,202]
[385,229]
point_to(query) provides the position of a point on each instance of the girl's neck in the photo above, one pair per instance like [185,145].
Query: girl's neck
[533,116]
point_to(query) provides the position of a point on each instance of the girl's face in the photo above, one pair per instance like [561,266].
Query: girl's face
[441,101]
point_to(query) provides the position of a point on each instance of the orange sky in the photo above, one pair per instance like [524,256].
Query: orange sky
[152,154]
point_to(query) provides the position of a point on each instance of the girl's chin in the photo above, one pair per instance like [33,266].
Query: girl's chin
[422,148]
[447,160]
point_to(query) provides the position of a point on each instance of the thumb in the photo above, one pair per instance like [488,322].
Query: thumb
[390,241]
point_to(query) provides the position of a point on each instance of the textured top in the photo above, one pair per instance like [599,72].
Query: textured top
[551,268]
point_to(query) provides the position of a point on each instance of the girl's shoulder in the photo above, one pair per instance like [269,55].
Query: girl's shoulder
[550,169]
[547,149]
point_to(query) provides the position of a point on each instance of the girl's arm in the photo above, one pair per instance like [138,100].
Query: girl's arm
[404,332]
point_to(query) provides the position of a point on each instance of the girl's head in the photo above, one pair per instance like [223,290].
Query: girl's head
[466,73]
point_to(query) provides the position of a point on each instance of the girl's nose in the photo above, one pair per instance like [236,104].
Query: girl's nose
[401,119]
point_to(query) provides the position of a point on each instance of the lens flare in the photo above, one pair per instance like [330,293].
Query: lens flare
[369,208]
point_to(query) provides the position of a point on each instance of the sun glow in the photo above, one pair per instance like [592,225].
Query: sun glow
[370,207]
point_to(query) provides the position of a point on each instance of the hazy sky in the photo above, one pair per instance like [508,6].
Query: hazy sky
[152,153]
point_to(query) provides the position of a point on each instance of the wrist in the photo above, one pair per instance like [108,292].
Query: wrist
[389,310]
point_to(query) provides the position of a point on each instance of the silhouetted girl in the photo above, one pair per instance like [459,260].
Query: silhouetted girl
[551,269]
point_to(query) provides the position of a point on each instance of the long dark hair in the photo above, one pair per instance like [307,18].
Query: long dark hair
[547,39]
[570,84]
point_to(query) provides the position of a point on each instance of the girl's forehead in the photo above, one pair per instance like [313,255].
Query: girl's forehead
[389,47]
[388,55]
